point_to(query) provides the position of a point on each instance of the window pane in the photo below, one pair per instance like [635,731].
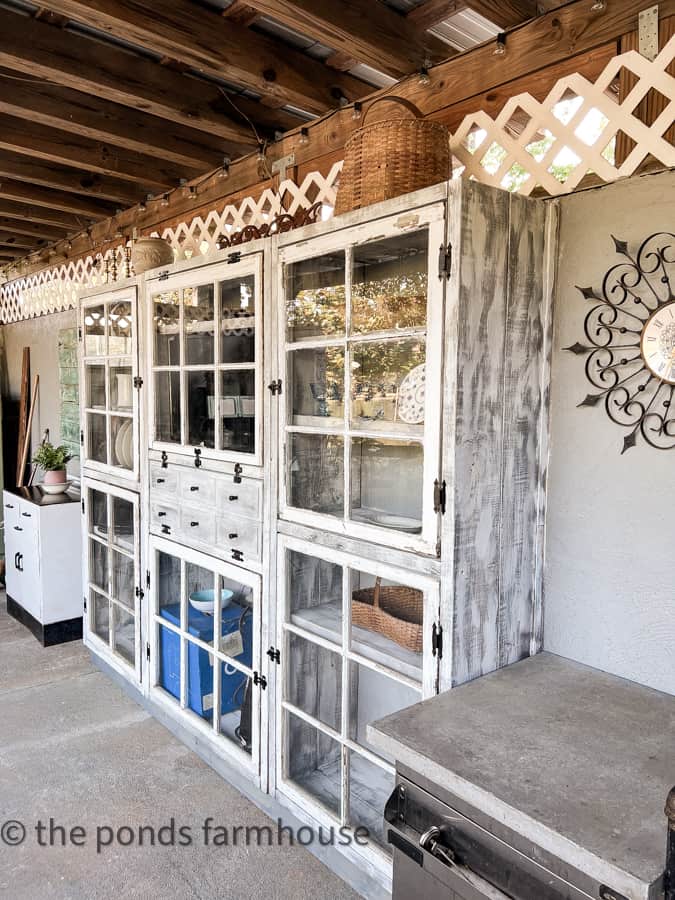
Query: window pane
[169,661]
[389,283]
[123,520]
[120,342]
[314,681]
[315,297]
[124,634]
[199,324]
[124,588]
[200,681]
[121,387]
[237,411]
[166,326]
[98,565]
[313,762]
[96,438]
[201,408]
[95,386]
[372,697]
[100,615]
[236,633]
[98,513]
[315,592]
[369,789]
[316,472]
[122,442]
[387,481]
[167,407]
[236,707]
[237,313]
[388,384]
[317,380]
[94,331]
[168,587]
[200,598]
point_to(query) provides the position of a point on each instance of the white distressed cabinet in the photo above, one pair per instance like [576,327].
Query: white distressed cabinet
[42,551]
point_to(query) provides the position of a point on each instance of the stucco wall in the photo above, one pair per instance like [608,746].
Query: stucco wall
[610,548]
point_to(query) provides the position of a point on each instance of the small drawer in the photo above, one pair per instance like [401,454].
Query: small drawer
[198,487]
[198,525]
[163,480]
[243,499]
[240,539]
[164,519]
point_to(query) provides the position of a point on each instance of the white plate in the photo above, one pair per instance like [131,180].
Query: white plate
[388,520]
[119,449]
[411,393]
[128,445]
[56,488]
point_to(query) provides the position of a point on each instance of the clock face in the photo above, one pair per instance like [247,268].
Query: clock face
[658,343]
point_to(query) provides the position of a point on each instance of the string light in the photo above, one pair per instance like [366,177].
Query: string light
[423,77]
[599,6]
[224,170]
[303,140]
[357,111]
[500,47]
[165,200]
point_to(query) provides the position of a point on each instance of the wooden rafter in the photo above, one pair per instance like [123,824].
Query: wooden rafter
[10,239]
[30,229]
[240,11]
[430,13]
[505,13]
[23,192]
[43,215]
[209,43]
[364,29]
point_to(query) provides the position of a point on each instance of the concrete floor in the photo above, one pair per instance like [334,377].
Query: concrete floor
[74,748]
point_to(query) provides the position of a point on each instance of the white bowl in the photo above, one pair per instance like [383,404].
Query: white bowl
[204,601]
[60,488]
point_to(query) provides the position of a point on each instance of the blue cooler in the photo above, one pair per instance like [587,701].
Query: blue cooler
[200,671]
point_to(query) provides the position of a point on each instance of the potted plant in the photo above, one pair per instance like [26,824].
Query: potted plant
[53,460]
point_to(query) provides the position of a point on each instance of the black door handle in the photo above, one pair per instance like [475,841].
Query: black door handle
[194,524]
[18,528]
[160,515]
[233,497]
[16,561]
[9,506]
[194,487]
[27,515]
[233,536]
[20,566]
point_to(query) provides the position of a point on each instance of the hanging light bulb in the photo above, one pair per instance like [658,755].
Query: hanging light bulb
[500,47]
[303,140]
[165,200]
[142,206]
[261,153]
[423,76]
[599,6]
[357,111]
[224,170]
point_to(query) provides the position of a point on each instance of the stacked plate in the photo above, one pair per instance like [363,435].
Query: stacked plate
[124,445]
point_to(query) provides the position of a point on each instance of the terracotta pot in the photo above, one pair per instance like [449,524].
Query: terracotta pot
[56,476]
[149,253]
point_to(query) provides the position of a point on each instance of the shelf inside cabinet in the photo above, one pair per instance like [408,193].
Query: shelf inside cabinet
[326,621]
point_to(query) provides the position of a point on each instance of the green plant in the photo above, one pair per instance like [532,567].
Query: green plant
[51,458]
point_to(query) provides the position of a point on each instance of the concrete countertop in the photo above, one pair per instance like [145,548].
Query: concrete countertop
[575,760]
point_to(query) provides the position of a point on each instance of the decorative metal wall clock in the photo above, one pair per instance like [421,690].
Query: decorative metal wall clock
[631,334]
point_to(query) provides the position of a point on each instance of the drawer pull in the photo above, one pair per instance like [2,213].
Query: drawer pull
[194,524]
[161,480]
[233,497]
[9,506]
[18,528]
[27,515]
[160,515]
[233,536]
[194,487]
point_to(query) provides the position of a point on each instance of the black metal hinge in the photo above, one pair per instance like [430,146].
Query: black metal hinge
[83,506]
[260,679]
[274,655]
[147,652]
[275,387]
[84,603]
[79,333]
[437,640]
[237,556]
[82,438]
[140,593]
[440,496]
[198,458]
[165,459]
[138,382]
[163,276]
[147,578]
[237,473]
[445,261]
[234,257]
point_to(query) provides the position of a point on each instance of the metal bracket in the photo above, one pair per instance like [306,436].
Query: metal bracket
[84,603]
[147,652]
[138,382]
[279,166]
[444,261]
[237,473]
[165,459]
[274,655]
[237,556]
[440,496]
[198,458]
[260,679]
[437,640]
[648,33]
[163,276]
[82,438]
[275,387]
[234,257]
[147,578]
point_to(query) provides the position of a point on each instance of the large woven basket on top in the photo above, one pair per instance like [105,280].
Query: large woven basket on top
[394,611]
[393,157]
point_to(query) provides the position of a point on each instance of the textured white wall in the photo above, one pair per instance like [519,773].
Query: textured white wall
[610,539]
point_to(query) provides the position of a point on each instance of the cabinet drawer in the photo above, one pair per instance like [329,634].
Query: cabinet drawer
[28,518]
[243,499]
[10,512]
[162,480]
[198,525]
[164,518]
[239,535]
[197,487]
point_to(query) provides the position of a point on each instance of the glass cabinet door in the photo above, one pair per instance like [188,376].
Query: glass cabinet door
[362,339]
[207,653]
[347,661]
[109,372]
[112,580]
[206,360]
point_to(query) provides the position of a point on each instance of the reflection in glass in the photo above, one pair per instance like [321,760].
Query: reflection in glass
[388,383]
[237,410]
[236,716]
[314,585]
[94,331]
[169,661]
[315,297]
[237,312]
[98,565]
[123,520]
[166,317]
[95,386]
[120,327]
[199,324]
[315,681]
[100,615]
[389,283]
[124,634]
[121,386]
[317,380]
[316,472]
[98,513]
[374,696]
[123,579]
[169,586]
[370,787]
[387,481]
[167,407]
[201,409]
[313,762]
[237,622]
[97,448]
[122,441]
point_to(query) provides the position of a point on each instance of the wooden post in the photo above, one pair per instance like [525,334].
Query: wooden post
[23,412]
[26,441]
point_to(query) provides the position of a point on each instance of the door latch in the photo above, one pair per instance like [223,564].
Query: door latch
[444,261]
[440,496]
[237,473]
[260,679]
[275,387]
[198,457]
[165,459]
[274,655]
[437,640]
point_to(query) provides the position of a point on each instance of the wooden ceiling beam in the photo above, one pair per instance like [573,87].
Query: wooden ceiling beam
[9,239]
[211,44]
[431,13]
[505,13]
[101,120]
[68,149]
[43,216]
[30,229]
[241,12]
[76,181]
[106,71]
[24,192]
[365,30]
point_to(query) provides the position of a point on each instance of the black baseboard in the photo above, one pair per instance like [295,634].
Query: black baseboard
[48,635]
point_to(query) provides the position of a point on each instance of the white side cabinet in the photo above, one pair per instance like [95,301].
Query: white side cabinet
[42,544]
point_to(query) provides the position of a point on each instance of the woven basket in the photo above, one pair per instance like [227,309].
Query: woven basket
[390,158]
[394,611]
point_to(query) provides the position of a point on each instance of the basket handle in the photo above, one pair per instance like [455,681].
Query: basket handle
[392,98]
[376,596]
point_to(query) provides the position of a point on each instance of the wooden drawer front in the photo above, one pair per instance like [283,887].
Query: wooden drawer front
[163,480]
[198,525]
[239,539]
[243,499]
[197,487]
[164,519]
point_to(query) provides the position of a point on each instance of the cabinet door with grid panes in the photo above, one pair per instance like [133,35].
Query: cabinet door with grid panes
[205,648]
[206,354]
[112,575]
[109,394]
[341,670]
[361,341]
